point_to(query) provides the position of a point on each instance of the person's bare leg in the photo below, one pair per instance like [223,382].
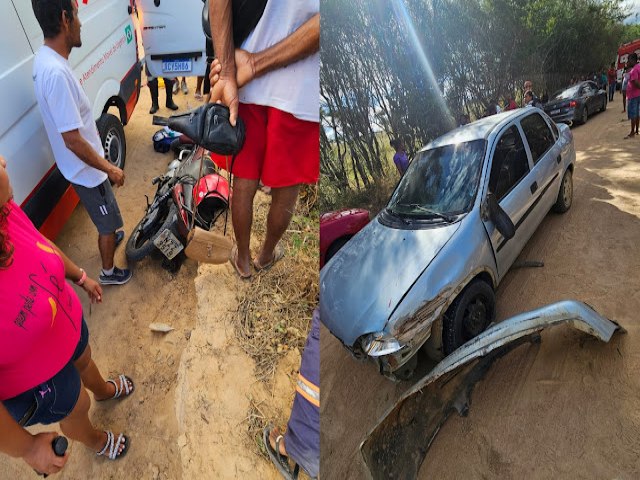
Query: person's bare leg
[77,426]
[199,84]
[107,247]
[283,202]
[244,191]
[92,378]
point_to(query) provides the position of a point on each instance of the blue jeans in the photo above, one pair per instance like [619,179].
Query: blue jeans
[54,399]
[612,89]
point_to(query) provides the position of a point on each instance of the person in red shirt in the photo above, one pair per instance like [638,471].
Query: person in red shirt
[45,358]
[510,103]
[611,77]
[633,94]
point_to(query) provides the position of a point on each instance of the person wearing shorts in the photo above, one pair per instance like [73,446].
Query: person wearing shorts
[279,107]
[67,115]
[633,94]
[45,358]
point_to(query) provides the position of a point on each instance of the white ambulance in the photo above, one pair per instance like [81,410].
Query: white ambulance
[174,42]
[109,70]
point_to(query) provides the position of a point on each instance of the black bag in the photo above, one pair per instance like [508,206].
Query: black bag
[208,125]
[246,15]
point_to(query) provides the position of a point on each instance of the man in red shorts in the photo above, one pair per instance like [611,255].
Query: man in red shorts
[272,82]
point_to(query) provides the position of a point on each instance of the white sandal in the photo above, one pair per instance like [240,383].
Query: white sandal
[122,388]
[113,446]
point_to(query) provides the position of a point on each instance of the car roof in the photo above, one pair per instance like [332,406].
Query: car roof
[480,129]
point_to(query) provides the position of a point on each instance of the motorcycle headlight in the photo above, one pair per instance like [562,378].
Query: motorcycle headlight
[379,344]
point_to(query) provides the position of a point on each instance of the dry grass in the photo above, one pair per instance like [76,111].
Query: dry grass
[275,308]
[256,423]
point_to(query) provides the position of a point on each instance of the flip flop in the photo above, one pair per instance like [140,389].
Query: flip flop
[278,253]
[280,461]
[112,447]
[122,387]
[233,258]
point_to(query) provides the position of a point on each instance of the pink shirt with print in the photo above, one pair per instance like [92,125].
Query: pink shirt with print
[632,90]
[41,314]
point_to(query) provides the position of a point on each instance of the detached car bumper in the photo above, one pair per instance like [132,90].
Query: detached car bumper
[397,445]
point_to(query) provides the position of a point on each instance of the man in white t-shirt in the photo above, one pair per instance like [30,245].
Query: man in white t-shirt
[273,82]
[68,119]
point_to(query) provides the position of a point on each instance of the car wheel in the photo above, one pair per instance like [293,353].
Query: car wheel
[585,116]
[565,195]
[113,139]
[335,246]
[469,315]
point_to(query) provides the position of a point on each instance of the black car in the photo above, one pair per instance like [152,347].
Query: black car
[576,103]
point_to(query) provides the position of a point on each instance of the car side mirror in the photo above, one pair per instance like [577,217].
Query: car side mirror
[500,218]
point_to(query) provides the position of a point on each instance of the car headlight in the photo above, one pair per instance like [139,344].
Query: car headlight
[379,344]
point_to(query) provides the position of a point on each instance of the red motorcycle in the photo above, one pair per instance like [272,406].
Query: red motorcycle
[191,193]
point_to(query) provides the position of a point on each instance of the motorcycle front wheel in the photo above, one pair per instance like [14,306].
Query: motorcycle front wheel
[140,243]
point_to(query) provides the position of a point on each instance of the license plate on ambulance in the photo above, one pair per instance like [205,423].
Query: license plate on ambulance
[178,65]
[168,244]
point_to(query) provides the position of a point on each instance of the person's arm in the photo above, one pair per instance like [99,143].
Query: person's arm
[633,78]
[36,450]
[225,89]
[75,273]
[300,44]
[85,152]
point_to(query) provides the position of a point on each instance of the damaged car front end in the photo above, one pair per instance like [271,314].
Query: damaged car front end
[397,445]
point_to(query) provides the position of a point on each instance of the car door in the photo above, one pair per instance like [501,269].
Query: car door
[546,157]
[510,180]
[591,92]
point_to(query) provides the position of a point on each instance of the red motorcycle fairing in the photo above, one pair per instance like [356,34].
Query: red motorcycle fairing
[210,195]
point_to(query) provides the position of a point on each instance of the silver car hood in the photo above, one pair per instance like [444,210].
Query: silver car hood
[363,283]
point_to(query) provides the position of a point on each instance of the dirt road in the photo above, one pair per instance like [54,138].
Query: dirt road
[195,387]
[567,408]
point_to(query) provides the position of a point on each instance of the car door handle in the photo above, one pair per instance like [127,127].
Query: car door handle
[559,159]
[534,187]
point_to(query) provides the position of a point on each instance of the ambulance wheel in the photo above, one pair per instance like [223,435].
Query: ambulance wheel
[113,139]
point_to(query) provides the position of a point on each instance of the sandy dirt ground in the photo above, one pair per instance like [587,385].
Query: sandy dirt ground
[567,408]
[195,387]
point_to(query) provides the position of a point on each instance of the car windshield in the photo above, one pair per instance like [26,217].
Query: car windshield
[568,93]
[440,182]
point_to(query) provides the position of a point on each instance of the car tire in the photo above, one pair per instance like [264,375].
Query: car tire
[335,246]
[585,116]
[565,194]
[469,315]
[113,139]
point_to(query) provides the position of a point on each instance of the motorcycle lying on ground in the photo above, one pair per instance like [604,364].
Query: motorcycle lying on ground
[191,195]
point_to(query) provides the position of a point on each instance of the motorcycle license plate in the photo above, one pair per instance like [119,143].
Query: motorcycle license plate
[168,244]
[179,65]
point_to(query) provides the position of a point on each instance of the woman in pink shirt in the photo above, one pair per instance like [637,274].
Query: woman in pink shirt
[45,358]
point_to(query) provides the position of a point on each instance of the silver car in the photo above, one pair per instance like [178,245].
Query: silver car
[425,270]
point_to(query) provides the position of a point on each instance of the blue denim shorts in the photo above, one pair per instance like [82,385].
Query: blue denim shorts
[632,108]
[54,399]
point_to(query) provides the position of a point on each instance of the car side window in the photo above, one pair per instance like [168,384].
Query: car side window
[538,135]
[509,164]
